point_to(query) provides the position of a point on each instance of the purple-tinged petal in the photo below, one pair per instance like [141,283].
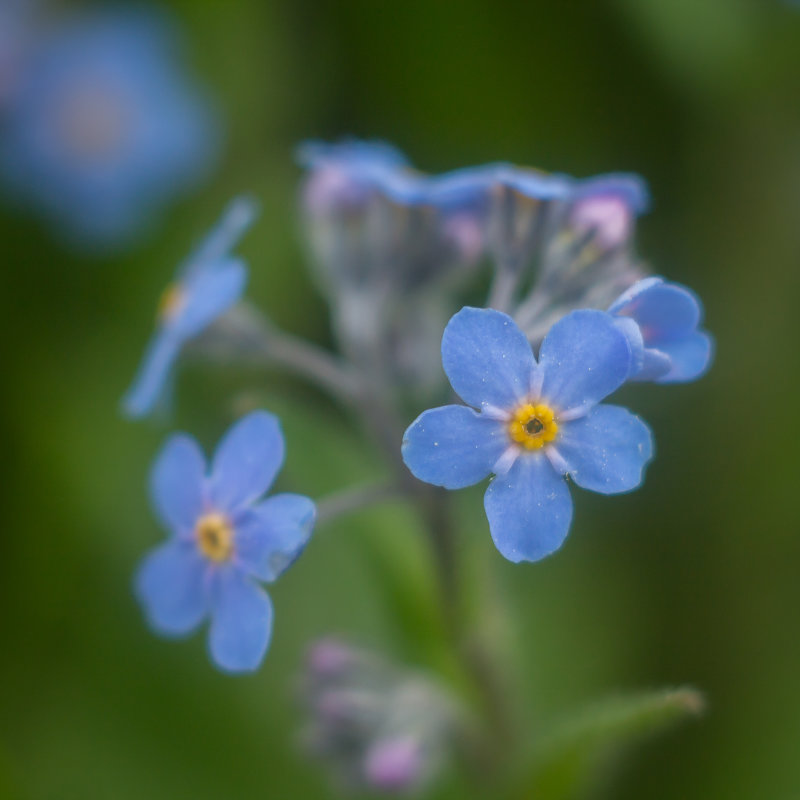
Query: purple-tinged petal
[632,292]
[241,622]
[689,357]
[176,483]
[246,461]
[272,535]
[170,585]
[208,294]
[487,358]
[529,509]
[607,450]
[584,358]
[453,446]
[151,379]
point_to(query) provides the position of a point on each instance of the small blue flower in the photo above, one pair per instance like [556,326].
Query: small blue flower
[223,540]
[104,127]
[535,424]
[667,345]
[207,285]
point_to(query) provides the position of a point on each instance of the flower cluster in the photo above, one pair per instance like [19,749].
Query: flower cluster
[570,317]
[374,725]
[100,126]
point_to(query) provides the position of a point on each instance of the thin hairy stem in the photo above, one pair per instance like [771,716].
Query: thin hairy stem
[354,499]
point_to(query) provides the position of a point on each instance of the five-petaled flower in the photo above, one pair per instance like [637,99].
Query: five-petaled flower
[223,540]
[206,286]
[535,423]
[666,342]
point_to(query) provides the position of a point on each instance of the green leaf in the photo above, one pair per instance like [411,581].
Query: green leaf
[576,756]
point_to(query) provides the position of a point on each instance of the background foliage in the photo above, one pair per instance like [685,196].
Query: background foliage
[692,579]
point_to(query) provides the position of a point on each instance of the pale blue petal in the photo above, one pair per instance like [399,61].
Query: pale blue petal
[607,450]
[635,343]
[655,365]
[529,509]
[236,220]
[208,294]
[487,358]
[453,446]
[170,585]
[176,483]
[246,461]
[690,357]
[632,292]
[241,622]
[151,379]
[584,358]
[272,535]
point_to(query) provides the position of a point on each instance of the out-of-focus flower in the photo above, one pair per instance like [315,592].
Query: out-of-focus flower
[223,540]
[667,345]
[377,727]
[105,127]
[536,424]
[18,31]
[208,284]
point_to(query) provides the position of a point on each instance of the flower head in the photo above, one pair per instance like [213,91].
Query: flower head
[223,540]
[667,343]
[377,726]
[531,423]
[104,127]
[207,284]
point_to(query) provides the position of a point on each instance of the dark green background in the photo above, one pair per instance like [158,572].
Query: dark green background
[692,579]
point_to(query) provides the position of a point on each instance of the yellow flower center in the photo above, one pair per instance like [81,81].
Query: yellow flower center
[533,426]
[170,302]
[214,535]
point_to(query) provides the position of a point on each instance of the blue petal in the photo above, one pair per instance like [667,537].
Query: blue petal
[208,294]
[453,446]
[170,585]
[176,483]
[487,358]
[241,622]
[584,358]
[246,461]
[151,379]
[663,311]
[655,365]
[272,535]
[607,450]
[690,357]
[236,220]
[529,509]
[631,188]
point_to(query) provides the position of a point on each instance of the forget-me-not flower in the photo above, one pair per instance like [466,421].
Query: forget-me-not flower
[104,127]
[667,344]
[208,284]
[223,540]
[531,423]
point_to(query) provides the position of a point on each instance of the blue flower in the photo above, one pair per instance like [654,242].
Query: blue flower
[104,128]
[531,424]
[223,540]
[207,285]
[667,345]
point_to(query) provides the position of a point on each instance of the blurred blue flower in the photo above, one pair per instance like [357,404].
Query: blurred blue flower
[105,127]
[667,345]
[223,540]
[18,32]
[535,424]
[208,284]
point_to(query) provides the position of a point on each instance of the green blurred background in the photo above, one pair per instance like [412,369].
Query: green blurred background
[692,579]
